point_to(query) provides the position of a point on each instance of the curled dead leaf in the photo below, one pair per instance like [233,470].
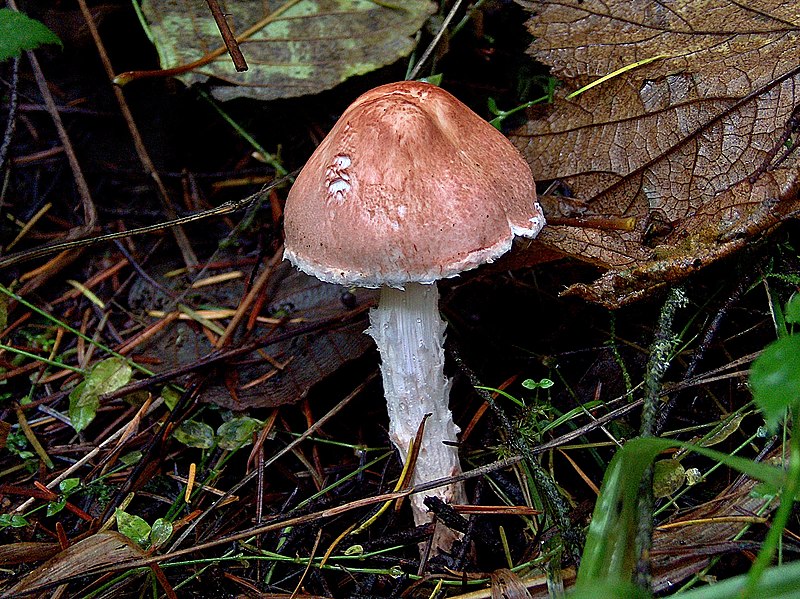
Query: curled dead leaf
[698,146]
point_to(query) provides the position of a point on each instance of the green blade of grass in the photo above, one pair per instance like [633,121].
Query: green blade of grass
[780,582]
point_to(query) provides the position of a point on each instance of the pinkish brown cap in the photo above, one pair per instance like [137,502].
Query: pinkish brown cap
[409,186]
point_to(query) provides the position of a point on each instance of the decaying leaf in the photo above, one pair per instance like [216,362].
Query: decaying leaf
[27,551]
[688,541]
[283,372]
[309,45]
[84,557]
[698,145]
[507,585]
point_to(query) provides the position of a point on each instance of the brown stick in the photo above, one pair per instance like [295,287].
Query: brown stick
[89,213]
[180,236]
[227,36]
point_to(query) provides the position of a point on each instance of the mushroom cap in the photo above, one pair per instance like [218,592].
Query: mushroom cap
[410,185]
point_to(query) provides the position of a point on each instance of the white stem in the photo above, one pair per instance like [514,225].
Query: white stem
[410,336]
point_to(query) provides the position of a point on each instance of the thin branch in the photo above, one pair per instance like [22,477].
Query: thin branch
[227,207]
[89,213]
[425,55]
[227,36]
[180,236]
[13,103]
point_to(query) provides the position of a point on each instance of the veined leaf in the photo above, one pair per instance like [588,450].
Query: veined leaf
[298,47]
[693,139]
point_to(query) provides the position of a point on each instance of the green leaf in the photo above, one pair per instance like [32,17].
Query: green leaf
[14,521]
[129,459]
[18,32]
[432,79]
[724,430]
[68,484]
[133,527]
[609,555]
[610,590]
[82,407]
[237,432]
[305,48]
[780,582]
[17,444]
[775,378]
[543,384]
[104,377]
[161,532]
[170,396]
[56,506]
[194,434]
[792,312]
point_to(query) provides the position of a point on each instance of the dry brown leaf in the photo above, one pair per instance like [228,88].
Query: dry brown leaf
[507,585]
[84,557]
[699,145]
[26,552]
[308,359]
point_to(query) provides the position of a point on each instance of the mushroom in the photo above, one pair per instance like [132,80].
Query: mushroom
[409,187]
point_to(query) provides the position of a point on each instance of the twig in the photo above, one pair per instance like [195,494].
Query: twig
[744,280]
[580,431]
[144,157]
[227,35]
[89,213]
[230,206]
[425,55]
[244,306]
[72,468]
[205,362]
[31,436]
[289,447]
[13,103]
[279,523]
[558,508]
